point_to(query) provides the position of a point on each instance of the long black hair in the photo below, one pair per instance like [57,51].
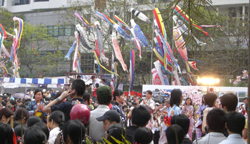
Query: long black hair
[175,99]
[58,117]
[190,100]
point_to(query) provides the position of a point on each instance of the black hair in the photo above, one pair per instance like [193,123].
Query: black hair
[175,134]
[140,115]
[235,122]
[6,112]
[79,86]
[86,97]
[6,134]
[190,100]
[143,135]
[3,103]
[118,93]
[34,135]
[19,131]
[18,101]
[229,100]
[13,102]
[96,85]
[216,119]
[104,80]
[115,130]
[42,126]
[21,113]
[75,130]
[154,116]
[149,92]
[125,106]
[33,120]
[38,90]
[58,117]
[210,98]
[175,99]
[181,120]
[78,76]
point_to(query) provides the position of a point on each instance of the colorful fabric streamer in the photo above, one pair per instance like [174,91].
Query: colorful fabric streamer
[139,34]
[71,50]
[103,66]
[20,31]
[116,26]
[121,22]
[132,69]
[5,51]
[161,73]
[140,15]
[75,59]
[184,29]
[117,51]
[83,37]
[136,40]
[185,17]
[99,43]
[155,77]
[85,22]
[160,23]
[5,68]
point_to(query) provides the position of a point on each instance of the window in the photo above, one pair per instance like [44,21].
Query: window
[1,2]
[56,31]
[20,2]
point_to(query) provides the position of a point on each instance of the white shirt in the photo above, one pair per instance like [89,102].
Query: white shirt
[96,130]
[155,128]
[211,138]
[234,139]
[150,103]
[53,135]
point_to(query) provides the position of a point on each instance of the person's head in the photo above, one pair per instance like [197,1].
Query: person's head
[216,119]
[96,85]
[19,131]
[104,95]
[210,99]
[188,101]
[1,98]
[116,131]
[78,88]
[155,116]
[110,117]
[125,108]
[118,96]
[149,94]
[73,132]
[12,103]
[3,103]
[93,78]
[245,100]
[56,119]
[33,120]
[42,126]
[78,77]
[6,134]
[103,81]
[140,116]
[143,135]
[167,102]
[38,95]
[229,102]
[87,98]
[175,134]
[181,120]
[235,123]
[34,135]
[176,97]
[5,115]
[18,102]
[21,115]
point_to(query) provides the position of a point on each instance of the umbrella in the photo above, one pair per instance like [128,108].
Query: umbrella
[21,96]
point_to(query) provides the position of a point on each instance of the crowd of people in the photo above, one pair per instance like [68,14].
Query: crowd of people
[111,117]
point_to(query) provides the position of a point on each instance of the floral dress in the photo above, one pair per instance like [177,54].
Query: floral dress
[32,106]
